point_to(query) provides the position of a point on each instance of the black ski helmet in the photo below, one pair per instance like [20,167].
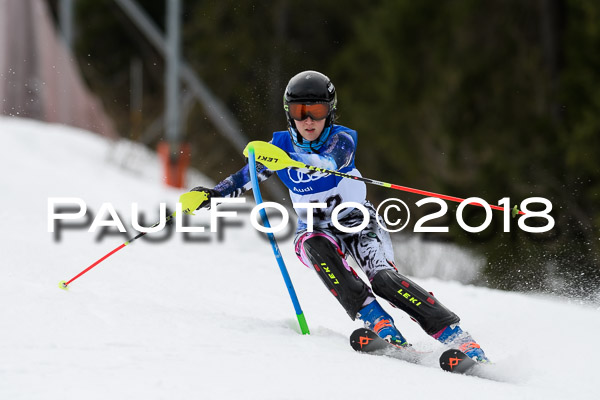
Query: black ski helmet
[310,87]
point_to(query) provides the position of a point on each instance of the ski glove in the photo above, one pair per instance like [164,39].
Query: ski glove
[193,201]
[210,192]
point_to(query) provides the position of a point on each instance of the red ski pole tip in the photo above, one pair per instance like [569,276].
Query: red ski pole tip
[63,285]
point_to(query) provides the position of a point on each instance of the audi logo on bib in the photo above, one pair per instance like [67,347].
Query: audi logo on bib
[300,177]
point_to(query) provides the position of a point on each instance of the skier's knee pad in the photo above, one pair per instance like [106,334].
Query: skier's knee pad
[327,259]
[414,300]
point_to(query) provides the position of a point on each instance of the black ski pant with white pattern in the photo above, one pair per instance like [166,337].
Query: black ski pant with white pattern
[326,248]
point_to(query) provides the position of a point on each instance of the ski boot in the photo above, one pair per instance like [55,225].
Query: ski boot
[380,322]
[455,337]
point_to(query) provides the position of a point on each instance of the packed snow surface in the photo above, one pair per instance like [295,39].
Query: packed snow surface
[211,318]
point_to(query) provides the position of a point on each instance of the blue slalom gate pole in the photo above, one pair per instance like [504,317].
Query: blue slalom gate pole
[280,262]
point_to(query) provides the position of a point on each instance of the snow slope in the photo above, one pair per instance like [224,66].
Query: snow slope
[212,319]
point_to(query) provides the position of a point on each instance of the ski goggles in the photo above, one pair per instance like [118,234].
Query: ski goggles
[300,112]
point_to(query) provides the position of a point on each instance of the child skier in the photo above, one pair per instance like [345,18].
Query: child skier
[310,103]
